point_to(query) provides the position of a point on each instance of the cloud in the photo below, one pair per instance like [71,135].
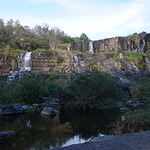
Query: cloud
[65,3]
[98,19]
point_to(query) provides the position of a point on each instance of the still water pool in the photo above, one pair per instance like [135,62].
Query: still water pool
[36,132]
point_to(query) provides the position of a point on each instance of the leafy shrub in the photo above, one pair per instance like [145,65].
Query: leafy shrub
[60,60]
[140,88]
[140,117]
[29,89]
[136,57]
[6,92]
[95,90]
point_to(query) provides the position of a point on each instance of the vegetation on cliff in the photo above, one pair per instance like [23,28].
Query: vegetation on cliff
[14,37]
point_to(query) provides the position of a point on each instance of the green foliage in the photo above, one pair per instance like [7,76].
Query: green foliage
[6,92]
[15,53]
[7,51]
[80,54]
[64,46]
[22,37]
[47,51]
[84,37]
[138,58]
[110,54]
[140,117]
[148,53]
[60,60]
[140,88]
[135,38]
[28,89]
[66,39]
[95,90]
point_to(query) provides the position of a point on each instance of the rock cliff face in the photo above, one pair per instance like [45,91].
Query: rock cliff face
[7,64]
[55,61]
[132,43]
[90,55]
[65,61]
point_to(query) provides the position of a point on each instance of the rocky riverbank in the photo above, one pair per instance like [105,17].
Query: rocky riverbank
[130,141]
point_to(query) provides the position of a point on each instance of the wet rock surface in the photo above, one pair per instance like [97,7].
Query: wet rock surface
[5,135]
[130,105]
[12,109]
[49,111]
[130,141]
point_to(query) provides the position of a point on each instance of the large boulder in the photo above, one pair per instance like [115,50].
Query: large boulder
[125,109]
[133,104]
[6,134]
[12,109]
[130,105]
[25,107]
[53,102]
[49,111]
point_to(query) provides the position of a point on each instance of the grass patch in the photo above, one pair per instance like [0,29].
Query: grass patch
[148,53]
[138,58]
[15,53]
[140,88]
[77,52]
[49,51]
[140,117]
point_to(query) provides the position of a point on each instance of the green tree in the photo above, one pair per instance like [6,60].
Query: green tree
[95,90]
[84,37]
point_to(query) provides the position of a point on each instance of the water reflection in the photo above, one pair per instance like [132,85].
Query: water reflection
[36,132]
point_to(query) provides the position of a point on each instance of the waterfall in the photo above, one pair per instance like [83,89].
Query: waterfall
[76,60]
[135,68]
[91,49]
[121,56]
[78,63]
[131,67]
[26,62]
[141,47]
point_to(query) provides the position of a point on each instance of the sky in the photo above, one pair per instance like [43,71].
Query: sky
[98,19]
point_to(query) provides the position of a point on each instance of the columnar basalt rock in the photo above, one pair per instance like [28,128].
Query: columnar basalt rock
[7,64]
[62,61]
[55,61]
[112,44]
[80,46]
[132,43]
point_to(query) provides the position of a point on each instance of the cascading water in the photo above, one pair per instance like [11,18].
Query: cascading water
[76,60]
[91,49]
[78,63]
[141,47]
[26,62]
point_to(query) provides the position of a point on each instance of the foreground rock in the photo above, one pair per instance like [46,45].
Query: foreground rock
[49,111]
[130,141]
[12,109]
[6,134]
[130,105]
